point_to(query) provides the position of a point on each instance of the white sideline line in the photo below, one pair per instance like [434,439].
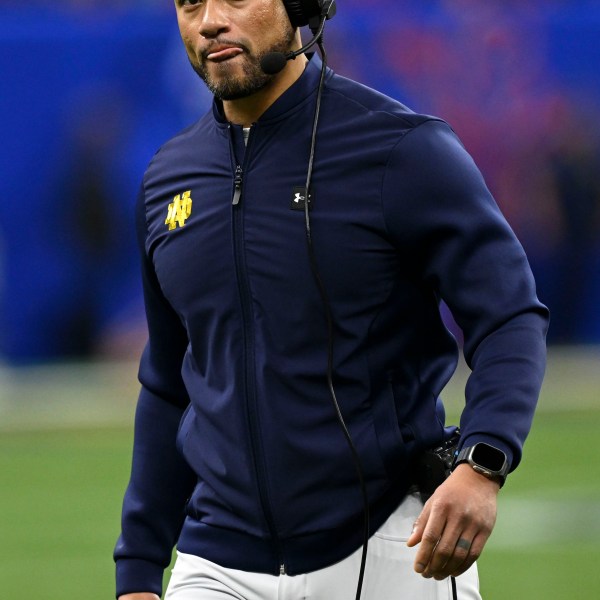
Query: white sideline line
[104,393]
[572,381]
[68,395]
[524,522]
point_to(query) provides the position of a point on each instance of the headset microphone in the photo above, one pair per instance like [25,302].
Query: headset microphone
[274,62]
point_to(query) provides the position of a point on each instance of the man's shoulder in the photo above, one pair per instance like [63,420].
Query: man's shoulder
[362,100]
[183,144]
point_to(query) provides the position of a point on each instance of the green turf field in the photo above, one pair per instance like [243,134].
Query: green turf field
[65,437]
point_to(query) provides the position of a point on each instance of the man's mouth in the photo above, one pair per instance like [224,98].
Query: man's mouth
[220,54]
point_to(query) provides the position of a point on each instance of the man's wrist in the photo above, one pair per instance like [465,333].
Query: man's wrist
[466,470]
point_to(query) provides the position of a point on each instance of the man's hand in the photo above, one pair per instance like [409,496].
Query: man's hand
[455,524]
[143,596]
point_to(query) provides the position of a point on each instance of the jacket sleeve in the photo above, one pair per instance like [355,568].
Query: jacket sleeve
[439,212]
[161,481]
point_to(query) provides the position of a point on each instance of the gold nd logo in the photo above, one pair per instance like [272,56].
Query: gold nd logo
[179,210]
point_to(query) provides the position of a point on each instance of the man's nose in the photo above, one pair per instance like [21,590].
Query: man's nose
[213,20]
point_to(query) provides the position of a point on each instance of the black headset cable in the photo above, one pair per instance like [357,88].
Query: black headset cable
[329,320]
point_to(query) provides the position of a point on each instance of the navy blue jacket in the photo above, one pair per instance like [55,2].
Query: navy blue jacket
[260,475]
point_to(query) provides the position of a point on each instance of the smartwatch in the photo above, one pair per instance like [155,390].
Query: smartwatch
[486,460]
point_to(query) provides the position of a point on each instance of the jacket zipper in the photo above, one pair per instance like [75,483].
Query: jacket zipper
[238,180]
[249,361]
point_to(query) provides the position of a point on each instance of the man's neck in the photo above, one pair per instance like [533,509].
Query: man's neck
[246,111]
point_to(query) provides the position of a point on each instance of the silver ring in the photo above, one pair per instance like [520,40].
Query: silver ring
[463,544]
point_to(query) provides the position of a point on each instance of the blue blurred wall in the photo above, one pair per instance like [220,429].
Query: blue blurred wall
[88,95]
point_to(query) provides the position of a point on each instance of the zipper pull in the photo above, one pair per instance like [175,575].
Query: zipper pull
[237,194]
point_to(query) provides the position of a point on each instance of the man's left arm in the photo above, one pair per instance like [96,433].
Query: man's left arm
[441,212]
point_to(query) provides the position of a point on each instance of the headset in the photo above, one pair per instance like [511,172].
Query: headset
[313,13]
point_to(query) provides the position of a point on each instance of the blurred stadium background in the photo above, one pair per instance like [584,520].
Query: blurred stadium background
[90,90]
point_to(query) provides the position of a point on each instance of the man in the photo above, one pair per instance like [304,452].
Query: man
[239,457]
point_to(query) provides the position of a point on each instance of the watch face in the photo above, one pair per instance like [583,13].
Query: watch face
[489,457]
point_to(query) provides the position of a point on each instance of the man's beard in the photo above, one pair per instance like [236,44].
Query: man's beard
[233,87]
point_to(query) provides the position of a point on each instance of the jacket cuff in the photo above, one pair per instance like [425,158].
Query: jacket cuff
[138,576]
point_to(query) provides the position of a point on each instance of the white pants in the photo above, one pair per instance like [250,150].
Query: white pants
[389,574]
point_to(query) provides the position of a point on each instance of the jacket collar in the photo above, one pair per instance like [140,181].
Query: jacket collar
[295,95]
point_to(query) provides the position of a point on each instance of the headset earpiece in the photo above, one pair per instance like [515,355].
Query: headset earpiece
[274,62]
[302,11]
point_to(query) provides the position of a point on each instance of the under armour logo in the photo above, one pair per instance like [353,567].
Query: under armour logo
[179,210]
[299,198]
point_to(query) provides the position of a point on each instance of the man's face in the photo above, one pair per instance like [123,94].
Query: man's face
[226,39]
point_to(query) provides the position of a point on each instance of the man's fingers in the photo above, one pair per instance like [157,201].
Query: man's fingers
[446,543]
[455,524]
[444,551]
[419,527]
[429,533]
[450,556]
[458,567]
[454,554]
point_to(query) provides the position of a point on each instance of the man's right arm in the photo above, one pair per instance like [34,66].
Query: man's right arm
[161,481]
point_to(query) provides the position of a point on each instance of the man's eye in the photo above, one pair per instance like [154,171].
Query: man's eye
[189,2]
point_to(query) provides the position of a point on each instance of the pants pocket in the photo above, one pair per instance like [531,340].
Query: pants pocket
[399,525]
